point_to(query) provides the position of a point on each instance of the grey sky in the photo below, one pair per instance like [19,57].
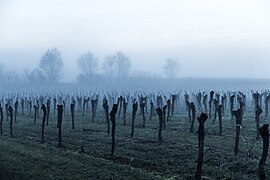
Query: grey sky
[210,38]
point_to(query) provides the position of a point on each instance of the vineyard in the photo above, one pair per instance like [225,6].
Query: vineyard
[82,134]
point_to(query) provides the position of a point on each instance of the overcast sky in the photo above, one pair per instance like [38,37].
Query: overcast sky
[210,38]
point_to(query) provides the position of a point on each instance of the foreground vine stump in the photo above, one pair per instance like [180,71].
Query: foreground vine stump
[238,117]
[106,109]
[112,115]
[1,119]
[10,109]
[265,136]
[257,119]
[59,124]
[201,134]
[43,107]
[134,110]
[72,109]
[160,115]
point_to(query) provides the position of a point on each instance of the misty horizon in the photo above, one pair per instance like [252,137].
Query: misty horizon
[210,40]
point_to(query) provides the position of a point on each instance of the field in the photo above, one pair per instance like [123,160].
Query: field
[23,157]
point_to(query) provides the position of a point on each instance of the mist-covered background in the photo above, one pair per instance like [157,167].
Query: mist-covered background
[209,39]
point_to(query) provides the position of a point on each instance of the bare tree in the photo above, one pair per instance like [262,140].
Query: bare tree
[34,76]
[52,65]
[2,73]
[123,65]
[108,66]
[88,64]
[171,68]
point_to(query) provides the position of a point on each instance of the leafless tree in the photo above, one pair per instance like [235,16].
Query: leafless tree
[171,68]
[52,65]
[108,66]
[88,64]
[123,65]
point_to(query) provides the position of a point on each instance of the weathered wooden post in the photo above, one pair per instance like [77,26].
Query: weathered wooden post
[10,109]
[119,103]
[59,124]
[134,110]
[43,107]
[201,134]
[216,110]
[238,117]
[72,109]
[257,119]
[265,136]
[112,116]
[160,115]
[193,112]
[232,105]
[94,109]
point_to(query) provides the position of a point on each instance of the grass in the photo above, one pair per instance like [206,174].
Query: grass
[23,157]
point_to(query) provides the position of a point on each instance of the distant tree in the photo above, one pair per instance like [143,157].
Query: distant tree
[52,65]
[88,65]
[171,68]
[108,65]
[123,65]
[35,76]
[2,73]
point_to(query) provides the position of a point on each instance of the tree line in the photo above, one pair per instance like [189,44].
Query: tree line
[51,69]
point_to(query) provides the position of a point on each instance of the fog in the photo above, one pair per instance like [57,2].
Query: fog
[216,39]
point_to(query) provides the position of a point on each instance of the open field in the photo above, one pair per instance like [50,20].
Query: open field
[23,157]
